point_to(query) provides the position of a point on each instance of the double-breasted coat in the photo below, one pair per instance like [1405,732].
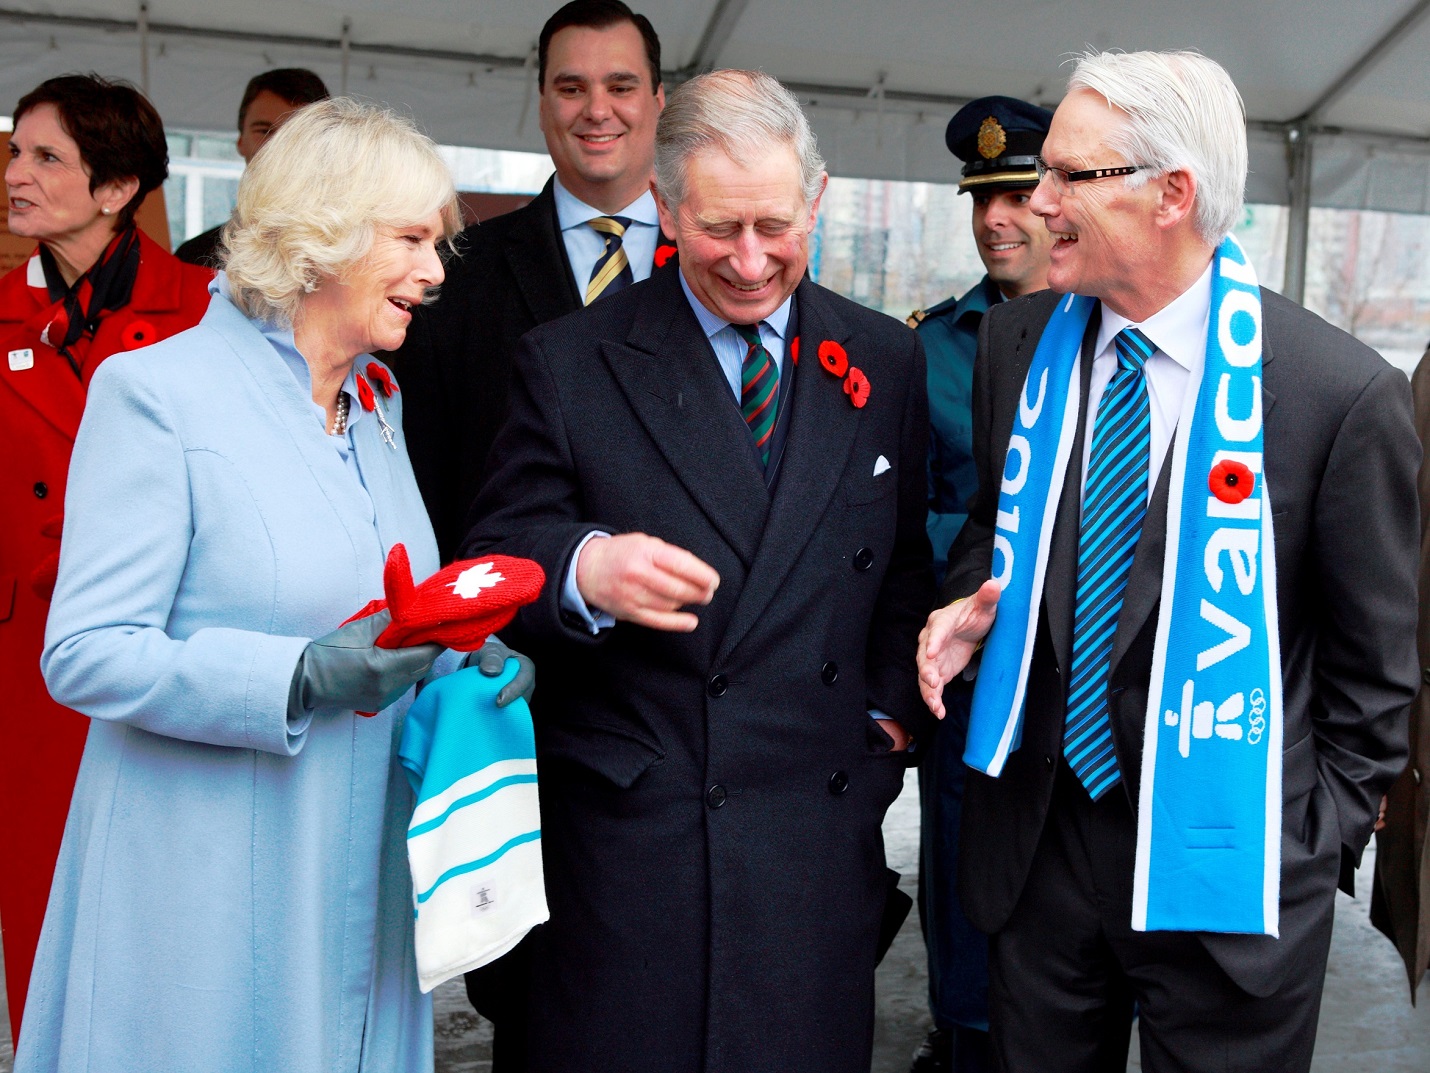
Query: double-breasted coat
[232,893]
[41,400]
[1340,459]
[711,801]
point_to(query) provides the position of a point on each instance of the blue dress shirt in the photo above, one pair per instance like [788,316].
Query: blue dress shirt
[584,245]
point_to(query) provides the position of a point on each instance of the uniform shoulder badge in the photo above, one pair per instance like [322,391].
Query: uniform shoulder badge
[914,319]
[992,138]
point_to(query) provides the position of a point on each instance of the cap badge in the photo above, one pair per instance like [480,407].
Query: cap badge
[992,139]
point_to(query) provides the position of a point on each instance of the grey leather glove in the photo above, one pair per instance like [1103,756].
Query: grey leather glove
[491,658]
[346,670]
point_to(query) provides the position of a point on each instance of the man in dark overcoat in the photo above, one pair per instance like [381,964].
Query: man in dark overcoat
[722,472]
[598,70]
[1143,172]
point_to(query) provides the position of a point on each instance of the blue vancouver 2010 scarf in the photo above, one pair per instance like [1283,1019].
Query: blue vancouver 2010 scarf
[1209,806]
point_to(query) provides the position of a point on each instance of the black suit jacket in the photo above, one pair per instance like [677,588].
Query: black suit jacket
[711,801]
[454,368]
[1340,463]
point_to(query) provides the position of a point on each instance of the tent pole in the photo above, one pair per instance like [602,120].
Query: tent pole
[1298,230]
[345,43]
[144,49]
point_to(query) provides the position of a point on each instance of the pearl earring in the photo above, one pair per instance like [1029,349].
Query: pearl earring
[105,211]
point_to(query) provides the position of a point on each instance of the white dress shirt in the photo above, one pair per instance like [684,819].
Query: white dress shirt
[1179,332]
[585,245]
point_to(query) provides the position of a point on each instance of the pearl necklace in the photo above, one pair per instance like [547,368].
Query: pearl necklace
[340,416]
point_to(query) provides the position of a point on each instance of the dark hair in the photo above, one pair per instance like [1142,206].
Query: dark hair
[296,85]
[119,134]
[597,15]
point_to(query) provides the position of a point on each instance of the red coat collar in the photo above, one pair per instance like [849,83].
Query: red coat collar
[157,289]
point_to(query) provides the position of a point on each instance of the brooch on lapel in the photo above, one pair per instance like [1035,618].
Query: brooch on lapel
[836,362]
[368,399]
[1231,481]
[137,333]
[663,253]
[382,378]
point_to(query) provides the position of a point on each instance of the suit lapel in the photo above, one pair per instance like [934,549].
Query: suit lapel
[1060,581]
[537,258]
[821,436]
[49,385]
[672,380]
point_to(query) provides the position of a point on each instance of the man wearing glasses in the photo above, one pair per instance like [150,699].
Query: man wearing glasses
[1195,531]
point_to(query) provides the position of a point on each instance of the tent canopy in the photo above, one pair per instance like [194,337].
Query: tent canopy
[880,80]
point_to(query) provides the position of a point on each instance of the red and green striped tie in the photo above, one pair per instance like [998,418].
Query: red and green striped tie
[759,389]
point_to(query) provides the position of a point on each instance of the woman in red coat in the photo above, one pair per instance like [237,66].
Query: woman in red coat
[83,155]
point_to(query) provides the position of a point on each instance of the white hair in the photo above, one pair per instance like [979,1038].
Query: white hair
[741,113]
[1183,113]
[311,201]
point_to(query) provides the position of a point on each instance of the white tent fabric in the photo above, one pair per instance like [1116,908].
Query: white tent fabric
[880,80]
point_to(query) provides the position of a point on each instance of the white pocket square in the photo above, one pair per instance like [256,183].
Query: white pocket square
[881,465]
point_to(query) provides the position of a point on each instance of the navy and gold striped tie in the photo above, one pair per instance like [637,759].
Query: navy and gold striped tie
[1114,502]
[759,389]
[612,270]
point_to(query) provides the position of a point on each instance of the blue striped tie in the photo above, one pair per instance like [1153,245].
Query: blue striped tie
[1114,501]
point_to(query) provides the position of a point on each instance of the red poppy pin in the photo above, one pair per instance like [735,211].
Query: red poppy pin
[856,386]
[794,350]
[365,395]
[835,360]
[137,333]
[1231,481]
[663,253]
[833,357]
[382,378]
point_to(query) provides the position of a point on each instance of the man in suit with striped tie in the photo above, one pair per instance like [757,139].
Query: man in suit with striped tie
[722,471]
[592,231]
[1091,663]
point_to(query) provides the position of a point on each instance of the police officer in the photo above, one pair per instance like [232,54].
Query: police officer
[997,138]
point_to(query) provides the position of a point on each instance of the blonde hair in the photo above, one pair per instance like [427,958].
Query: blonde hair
[311,201]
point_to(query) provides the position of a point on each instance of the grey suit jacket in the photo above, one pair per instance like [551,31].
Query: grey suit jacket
[1341,460]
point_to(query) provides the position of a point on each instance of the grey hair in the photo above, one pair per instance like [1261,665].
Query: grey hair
[741,113]
[310,203]
[1183,113]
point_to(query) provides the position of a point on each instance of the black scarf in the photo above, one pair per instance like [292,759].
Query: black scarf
[108,285]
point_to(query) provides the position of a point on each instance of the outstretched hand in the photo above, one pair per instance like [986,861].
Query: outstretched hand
[949,639]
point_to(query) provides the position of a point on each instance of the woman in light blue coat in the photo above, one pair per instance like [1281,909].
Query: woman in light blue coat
[232,892]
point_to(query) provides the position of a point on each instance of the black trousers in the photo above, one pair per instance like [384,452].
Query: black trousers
[1067,971]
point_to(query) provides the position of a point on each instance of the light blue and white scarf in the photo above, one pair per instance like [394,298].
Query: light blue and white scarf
[474,843]
[1209,809]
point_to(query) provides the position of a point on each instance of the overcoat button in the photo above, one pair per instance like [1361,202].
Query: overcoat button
[1048,762]
[863,559]
[829,673]
[715,796]
[1415,771]
[1424,674]
[717,685]
[42,489]
[838,782]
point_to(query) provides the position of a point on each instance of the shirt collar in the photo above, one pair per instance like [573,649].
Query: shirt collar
[571,211]
[1178,329]
[710,324]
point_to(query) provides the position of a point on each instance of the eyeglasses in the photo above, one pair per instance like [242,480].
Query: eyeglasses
[1063,179]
